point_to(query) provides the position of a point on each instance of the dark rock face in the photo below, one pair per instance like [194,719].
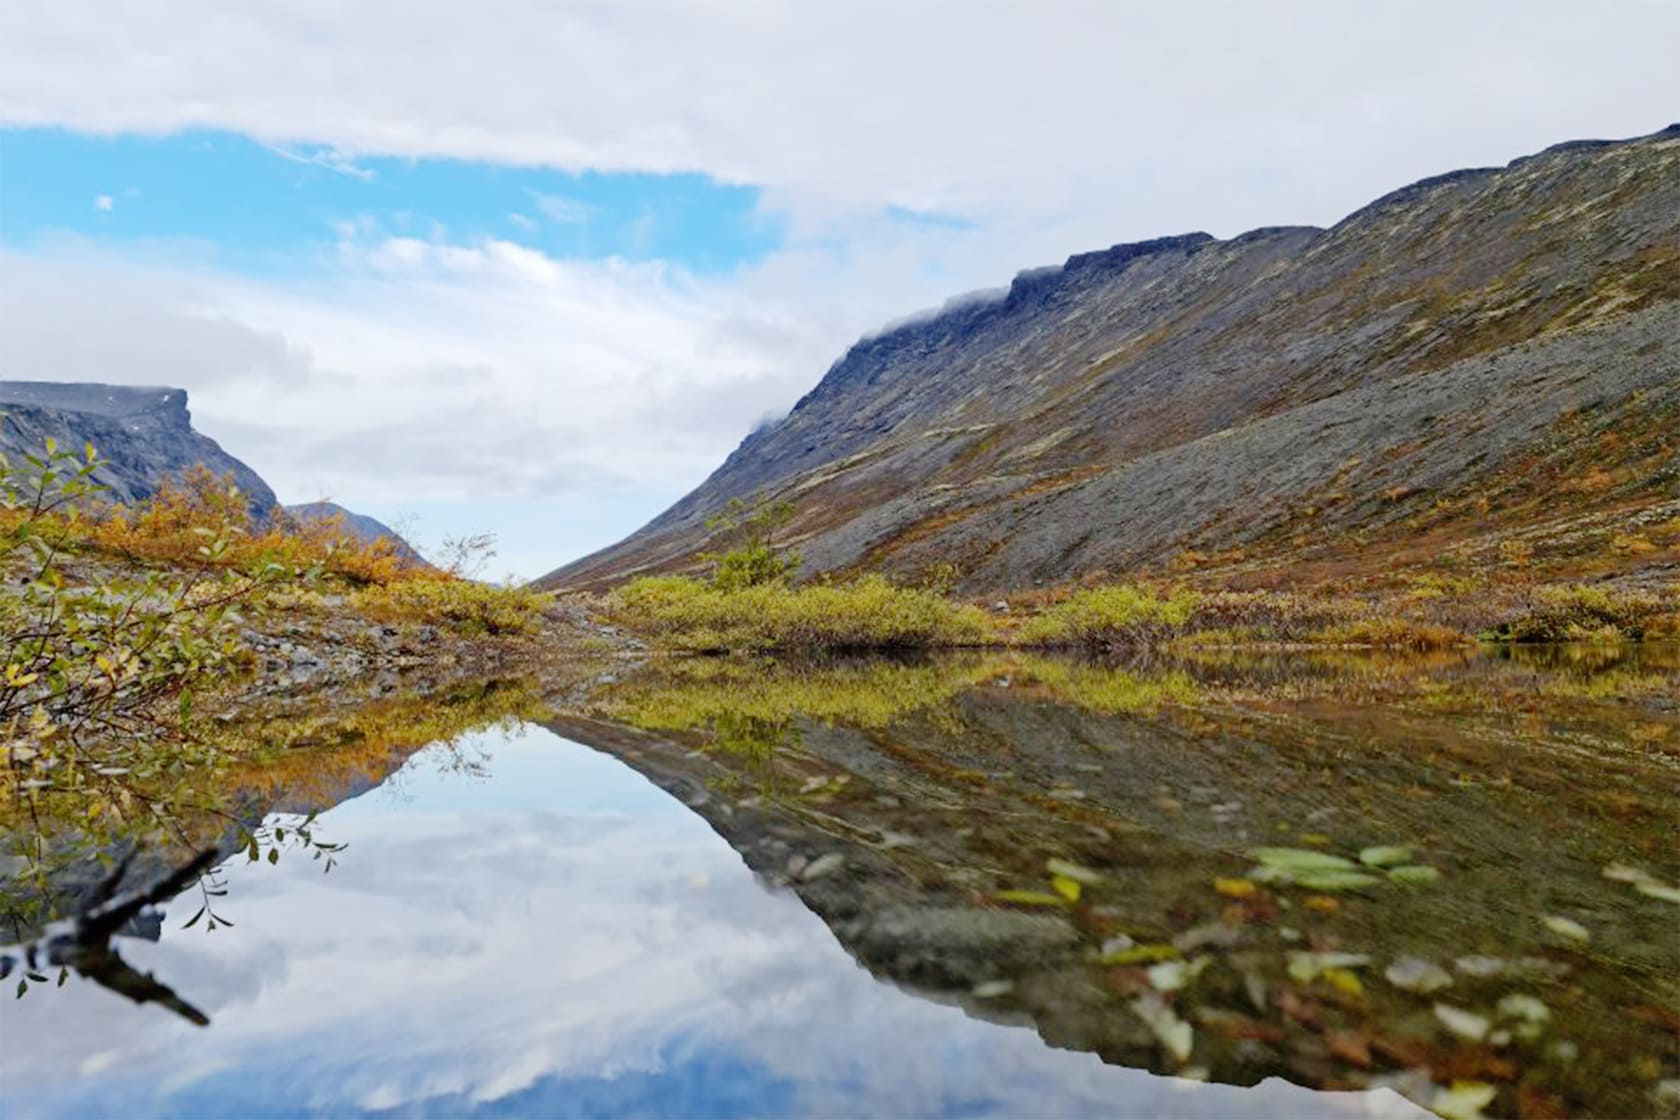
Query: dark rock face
[1196,393]
[359,525]
[145,435]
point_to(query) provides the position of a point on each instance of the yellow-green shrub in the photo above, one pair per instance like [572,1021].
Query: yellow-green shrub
[462,605]
[1582,613]
[1111,615]
[867,613]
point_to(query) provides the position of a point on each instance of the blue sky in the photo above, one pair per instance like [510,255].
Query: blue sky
[263,207]
[537,270]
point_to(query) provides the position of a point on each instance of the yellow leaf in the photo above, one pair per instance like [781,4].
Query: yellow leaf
[1066,887]
[1235,888]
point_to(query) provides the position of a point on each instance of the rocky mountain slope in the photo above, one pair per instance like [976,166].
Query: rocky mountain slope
[1489,348]
[144,434]
[359,525]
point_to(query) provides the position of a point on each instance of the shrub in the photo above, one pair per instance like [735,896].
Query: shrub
[1113,615]
[752,560]
[462,605]
[1391,633]
[863,614]
[1582,613]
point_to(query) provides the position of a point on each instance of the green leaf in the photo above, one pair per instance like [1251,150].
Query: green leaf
[1293,860]
[1415,875]
[1028,898]
[1336,880]
[1385,856]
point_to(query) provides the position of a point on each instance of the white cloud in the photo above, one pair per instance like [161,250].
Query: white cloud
[102,202]
[559,208]
[427,368]
[1116,120]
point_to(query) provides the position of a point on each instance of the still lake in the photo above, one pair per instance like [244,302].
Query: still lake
[999,885]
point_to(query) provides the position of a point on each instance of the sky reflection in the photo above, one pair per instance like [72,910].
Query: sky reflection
[556,938]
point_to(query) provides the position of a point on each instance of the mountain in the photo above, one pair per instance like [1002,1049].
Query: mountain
[1488,348]
[359,525]
[144,434]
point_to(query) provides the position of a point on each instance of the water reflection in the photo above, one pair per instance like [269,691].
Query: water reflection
[1182,865]
[550,935]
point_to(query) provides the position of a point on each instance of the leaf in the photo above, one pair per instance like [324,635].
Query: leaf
[1566,927]
[1336,880]
[1066,887]
[1300,859]
[1414,875]
[192,921]
[1464,1100]
[1141,954]
[1414,974]
[1465,1024]
[1069,870]
[1344,981]
[274,855]
[1235,888]
[1174,1033]
[1385,856]
[1305,967]
[1659,890]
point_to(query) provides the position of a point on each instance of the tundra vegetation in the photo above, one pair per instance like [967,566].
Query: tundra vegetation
[751,602]
[128,634]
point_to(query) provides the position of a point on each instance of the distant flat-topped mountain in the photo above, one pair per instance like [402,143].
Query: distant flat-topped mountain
[144,434]
[1461,353]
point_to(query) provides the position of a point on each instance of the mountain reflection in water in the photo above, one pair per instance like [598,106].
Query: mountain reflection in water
[1450,876]
[554,936]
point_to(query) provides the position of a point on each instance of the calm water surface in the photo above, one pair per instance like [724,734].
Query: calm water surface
[987,885]
[551,935]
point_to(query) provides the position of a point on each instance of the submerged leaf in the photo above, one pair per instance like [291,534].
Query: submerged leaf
[1141,954]
[1465,1024]
[1385,856]
[1414,974]
[1566,927]
[1336,880]
[1294,860]
[1174,1033]
[1414,875]
[1170,976]
[1659,890]
[1070,870]
[1464,1101]
[1235,888]
[1066,887]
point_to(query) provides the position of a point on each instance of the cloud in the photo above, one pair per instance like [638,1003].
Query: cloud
[906,152]
[559,208]
[1143,120]
[330,158]
[102,202]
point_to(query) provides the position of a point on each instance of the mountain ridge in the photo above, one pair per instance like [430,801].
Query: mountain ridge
[931,442]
